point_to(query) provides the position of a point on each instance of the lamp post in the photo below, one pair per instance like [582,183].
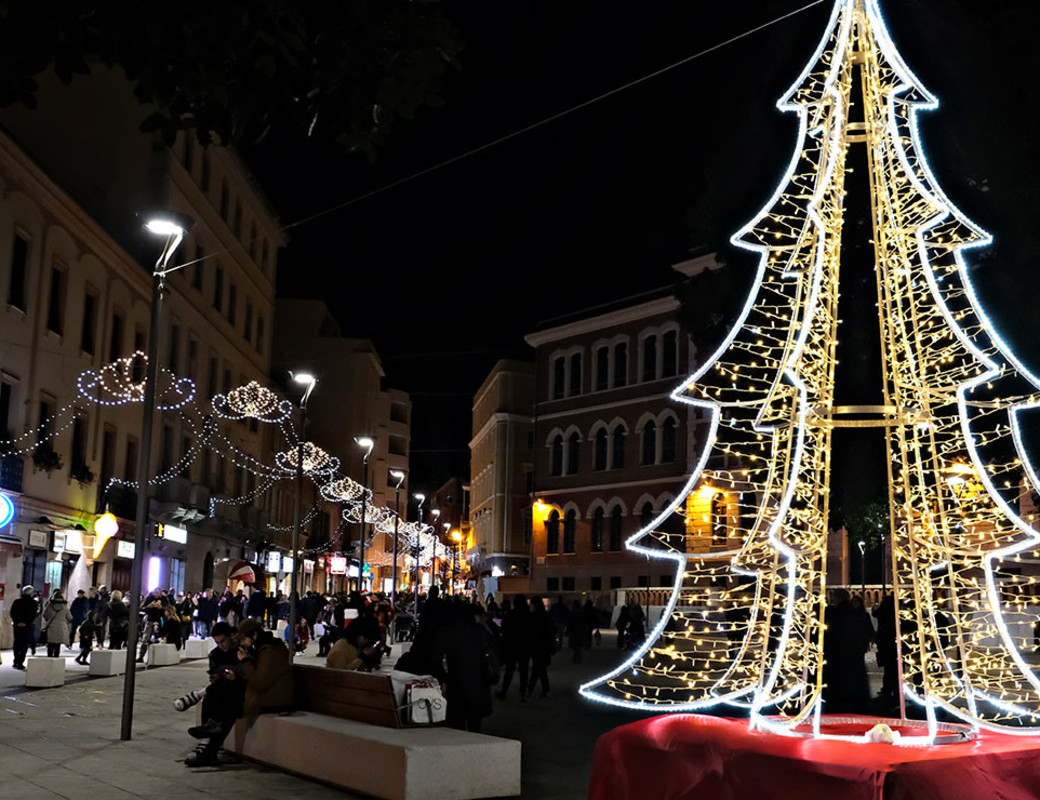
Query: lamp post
[173,227]
[447,528]
[435,514]
[457,536]
[368,443]
[416,549]
[308,381]
[863,570]
[397,475]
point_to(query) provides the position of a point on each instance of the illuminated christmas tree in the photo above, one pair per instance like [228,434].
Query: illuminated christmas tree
[745,621]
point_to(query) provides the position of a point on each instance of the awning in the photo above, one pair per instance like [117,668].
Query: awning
[10,545]
[242,571]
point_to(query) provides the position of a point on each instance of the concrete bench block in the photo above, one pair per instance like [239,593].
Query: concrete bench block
[41,671]
[198,648]
[163,655]
[107,662]
[390,763]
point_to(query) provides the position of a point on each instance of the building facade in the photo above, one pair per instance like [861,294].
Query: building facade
[502,465]
[351,400]
[612,449]
[75,288]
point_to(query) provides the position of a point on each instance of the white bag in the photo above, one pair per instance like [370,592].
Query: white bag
[426,703]
[319,629]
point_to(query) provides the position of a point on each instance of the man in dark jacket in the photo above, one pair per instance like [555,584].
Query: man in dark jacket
[207,613]
[24,612]
[465,645]
[104,598]
[79,608]
[222,703]
[256,606]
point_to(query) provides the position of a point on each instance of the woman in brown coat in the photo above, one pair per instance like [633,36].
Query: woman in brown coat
[264,664]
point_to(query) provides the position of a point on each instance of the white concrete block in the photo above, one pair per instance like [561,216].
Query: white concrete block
[163,655]
[107,662]
[198,648]
[390,763]
[41,671]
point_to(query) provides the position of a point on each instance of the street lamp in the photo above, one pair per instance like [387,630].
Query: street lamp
[368,443]
[435,514]
[308,381]
[457,536]
[447,527]
[173,226]
[863,569]
[415,553]
[397,475]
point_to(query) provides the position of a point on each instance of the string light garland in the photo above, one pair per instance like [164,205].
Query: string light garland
[745,620]
[252,401]
[122,381]
[315,460]
[344,490]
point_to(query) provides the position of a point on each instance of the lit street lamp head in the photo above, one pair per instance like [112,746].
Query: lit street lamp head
[306,380]
[367,442]
[397,475]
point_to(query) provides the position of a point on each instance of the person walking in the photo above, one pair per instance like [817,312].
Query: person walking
[465,644]
[79,607]
[543,644]
[104,598]
[207,614]
[57,621]
[86,637]
[118,621]
[516,646]
[576,633]
[24,612]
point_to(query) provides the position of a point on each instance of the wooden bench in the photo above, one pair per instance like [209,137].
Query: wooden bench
[360,696]
[349,733]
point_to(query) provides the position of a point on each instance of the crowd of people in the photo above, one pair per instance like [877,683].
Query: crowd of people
[469,647]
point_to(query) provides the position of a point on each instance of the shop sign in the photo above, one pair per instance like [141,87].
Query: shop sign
[125,549]
[38,539]
[338,565]
[172,533]
[274,561]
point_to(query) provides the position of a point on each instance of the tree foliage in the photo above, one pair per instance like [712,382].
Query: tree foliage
[231,70]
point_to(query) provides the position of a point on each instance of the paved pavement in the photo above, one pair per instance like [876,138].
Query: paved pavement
[64,741]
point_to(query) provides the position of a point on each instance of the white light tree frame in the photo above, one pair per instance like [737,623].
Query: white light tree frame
[744,624]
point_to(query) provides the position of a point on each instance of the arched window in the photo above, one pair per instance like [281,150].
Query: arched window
[575,387]
[599,452]
[650,358]
[617,460]
[615,528]
[596,545]
[671,354]
[557,455]
[620,364]
[649,451]
[570,524]
[602,368]
[573,452]
[552,532]
[718,519]
[646,515]
[668,441]
[559,377]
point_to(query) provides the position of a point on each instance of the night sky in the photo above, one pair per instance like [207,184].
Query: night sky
[447,272]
